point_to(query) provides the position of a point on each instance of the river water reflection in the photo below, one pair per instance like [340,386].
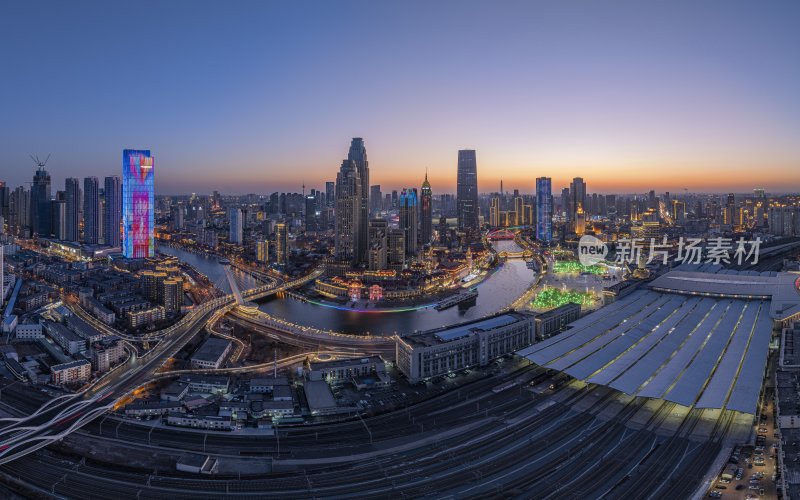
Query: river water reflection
[499,290]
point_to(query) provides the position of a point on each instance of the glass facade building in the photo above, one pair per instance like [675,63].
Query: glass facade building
[138,203]
[467,193]
[544,209]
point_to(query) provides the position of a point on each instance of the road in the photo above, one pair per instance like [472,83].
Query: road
[62,416]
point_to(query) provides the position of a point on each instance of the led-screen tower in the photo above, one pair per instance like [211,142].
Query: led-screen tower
[138,202]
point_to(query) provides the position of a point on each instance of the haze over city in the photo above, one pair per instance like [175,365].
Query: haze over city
[257,97]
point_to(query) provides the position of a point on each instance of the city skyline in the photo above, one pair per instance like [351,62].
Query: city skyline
[550,91]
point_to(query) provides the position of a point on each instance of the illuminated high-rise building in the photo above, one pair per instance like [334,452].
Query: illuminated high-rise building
[544,209]
[467,193]
[281,244]
[262,251]
[518,208]
[112,211]
[235,226]
[409,220]
[91,210]
[378,233]
[577,191]
[494,211]
[358,155]
[348,212]
[426,212]
[72,222]
[138,204]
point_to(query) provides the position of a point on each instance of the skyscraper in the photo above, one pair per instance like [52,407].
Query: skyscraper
[113,210]
[348,212]
[72,223]
[330,194]
[91,210]
[138,204]
[378,252]
[310,216]
[577,191]
[19,215]
[375,199]
[235,226]
[281,244]
[467,193]
[58,215]
[426,212]
[40,203]
[358,155]
[544,209]
[409,220]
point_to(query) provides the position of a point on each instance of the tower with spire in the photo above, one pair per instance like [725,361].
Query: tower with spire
[426,212]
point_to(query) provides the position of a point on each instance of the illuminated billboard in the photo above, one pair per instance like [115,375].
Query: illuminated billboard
[138,203]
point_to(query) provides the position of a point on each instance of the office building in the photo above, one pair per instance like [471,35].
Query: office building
[348,212]
[426,212]
[467,193]
[112,210]
[91,210]
[72,193]
[378,242]
[577,191]
[330,194]
[235,226]
[408,220]
[138,204]
[311,213]
[544,209]
[358,155]
[58,213]
[476,343]
[396,250]
[375,199]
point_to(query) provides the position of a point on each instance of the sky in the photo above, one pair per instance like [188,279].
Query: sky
[264,96]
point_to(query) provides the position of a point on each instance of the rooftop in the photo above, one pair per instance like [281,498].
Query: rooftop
[701,351]
[211,350]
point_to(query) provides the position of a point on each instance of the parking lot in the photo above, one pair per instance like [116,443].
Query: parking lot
[750,471]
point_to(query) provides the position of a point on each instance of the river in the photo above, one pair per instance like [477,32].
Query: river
[497,291]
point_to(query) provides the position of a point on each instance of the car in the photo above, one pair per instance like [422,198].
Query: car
[739,486]
[715,494]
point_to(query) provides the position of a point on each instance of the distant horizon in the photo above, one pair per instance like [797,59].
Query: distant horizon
[263,96]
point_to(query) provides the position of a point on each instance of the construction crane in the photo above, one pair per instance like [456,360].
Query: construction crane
[39,163]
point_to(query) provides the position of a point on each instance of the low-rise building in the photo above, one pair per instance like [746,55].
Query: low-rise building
[476,343]
[68,340]
[32,331]
[212,353]
[353,370]
[153,408]
[266,385]
[320,399]
[556,320]
[74,372]
[208,384]
[208,422]
[175,391]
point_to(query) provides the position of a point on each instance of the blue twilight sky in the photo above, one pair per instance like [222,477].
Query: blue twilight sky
[262,96]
